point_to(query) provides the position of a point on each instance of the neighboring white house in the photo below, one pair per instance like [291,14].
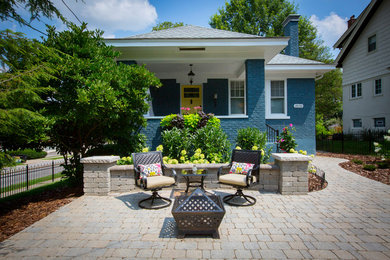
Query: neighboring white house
[365,59]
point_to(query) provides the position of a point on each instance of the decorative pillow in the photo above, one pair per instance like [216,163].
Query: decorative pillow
[241,168]
[150,170]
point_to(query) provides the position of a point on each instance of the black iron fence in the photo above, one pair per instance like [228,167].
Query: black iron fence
[352,143]
[17,179]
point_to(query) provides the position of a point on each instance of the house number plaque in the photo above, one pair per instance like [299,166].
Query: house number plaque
[298,105]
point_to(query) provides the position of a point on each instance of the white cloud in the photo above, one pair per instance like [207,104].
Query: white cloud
[330,28]
[111,15]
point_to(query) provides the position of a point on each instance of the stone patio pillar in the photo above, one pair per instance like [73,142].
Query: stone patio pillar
[293,176]
[97,174]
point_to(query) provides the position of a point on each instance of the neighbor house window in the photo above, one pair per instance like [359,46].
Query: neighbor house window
[277,97]
[356,123]
[237,97]
[379,122]
[378,87]
[356,90]
[372,43]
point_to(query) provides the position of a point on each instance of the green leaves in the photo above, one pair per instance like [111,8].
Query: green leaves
[265,18]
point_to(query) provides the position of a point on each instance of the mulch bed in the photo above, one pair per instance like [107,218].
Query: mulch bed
[316,183]
[381,175]
[18,214]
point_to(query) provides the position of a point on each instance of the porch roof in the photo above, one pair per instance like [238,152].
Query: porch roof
[192,43]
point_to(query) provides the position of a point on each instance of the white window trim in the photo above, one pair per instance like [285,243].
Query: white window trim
[268,114]
[360,127]
[380,94]
[356,91]
[229,98]
[376,43]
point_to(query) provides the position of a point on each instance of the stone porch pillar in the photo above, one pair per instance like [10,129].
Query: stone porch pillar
[293,175]
[97,174]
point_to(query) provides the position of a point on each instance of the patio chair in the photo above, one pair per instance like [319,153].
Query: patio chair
[244,171]
[149,174]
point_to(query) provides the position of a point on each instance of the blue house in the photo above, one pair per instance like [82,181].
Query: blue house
[241,78]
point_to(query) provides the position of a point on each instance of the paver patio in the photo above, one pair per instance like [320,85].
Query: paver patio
[349,219]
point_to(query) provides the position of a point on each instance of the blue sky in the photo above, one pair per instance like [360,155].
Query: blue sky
[121,18]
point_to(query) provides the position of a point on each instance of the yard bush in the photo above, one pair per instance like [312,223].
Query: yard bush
[192,132]
[28,153]
[369,167]
[6,160]
[251,138]
[192,121]
[357,161]
[213,142]
[176,140]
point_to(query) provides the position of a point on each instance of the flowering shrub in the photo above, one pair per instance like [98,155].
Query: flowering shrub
[191,121]
[286,139]
[251,138]
[383,149]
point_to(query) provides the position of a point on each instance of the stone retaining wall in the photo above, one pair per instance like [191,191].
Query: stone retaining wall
[122,177]
[288,175]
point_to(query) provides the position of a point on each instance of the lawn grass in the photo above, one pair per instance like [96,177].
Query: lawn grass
[37,191]
[30,183]
[53,158]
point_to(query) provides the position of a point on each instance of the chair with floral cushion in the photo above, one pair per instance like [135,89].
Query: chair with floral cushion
[244,171]
[149,174]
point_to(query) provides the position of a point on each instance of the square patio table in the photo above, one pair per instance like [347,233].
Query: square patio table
[194,178]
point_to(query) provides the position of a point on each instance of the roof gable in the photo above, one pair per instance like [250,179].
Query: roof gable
[347,40]
[193,32]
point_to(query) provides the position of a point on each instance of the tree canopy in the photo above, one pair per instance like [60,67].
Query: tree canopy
[95,100]
[22,97]
[166,25]
[265,18]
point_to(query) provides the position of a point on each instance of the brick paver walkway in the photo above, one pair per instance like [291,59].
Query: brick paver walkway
[349,219]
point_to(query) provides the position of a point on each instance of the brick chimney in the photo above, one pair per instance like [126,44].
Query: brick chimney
[290,27]
[351,20]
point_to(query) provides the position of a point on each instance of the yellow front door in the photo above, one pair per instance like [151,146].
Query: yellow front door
[191,96]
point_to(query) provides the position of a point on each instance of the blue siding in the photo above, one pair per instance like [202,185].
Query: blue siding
[255,84]
[166,99]
[300,91]
[221,88]
[291,29]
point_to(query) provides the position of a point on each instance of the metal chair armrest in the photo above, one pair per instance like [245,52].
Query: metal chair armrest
[144,182]
[220,170]
[174,175]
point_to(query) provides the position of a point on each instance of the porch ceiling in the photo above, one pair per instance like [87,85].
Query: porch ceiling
[202,70]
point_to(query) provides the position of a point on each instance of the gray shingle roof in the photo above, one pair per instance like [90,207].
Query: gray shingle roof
[193,32]
[281,59]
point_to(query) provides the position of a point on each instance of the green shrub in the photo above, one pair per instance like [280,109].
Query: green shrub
[6,160]
[125,161]
[357,161]
[214,122]
[369,167]
[213,142]
[166,122]
[383,165]
[176,140]
[29,153]
[250,137]
[191,121]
